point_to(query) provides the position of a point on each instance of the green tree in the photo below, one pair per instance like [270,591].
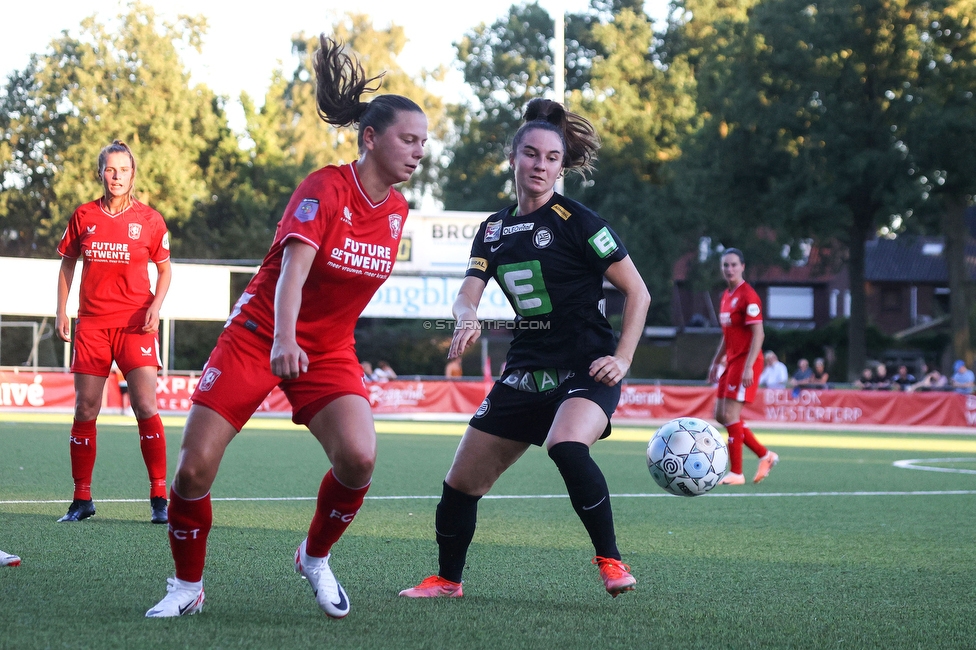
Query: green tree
[941,139]
[641,110]
[113,81]
[505,65]
[818,138]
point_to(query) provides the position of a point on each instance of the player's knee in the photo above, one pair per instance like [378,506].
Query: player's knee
[192,479]
[355,467]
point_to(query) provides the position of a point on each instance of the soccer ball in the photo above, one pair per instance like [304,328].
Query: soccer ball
[687,457]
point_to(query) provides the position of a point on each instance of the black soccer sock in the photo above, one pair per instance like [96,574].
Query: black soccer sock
[588,493]
[454,524]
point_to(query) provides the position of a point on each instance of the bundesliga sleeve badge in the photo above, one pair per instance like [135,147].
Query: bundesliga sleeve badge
[307,210]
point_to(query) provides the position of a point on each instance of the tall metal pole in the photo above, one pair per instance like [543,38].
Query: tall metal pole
[559,68]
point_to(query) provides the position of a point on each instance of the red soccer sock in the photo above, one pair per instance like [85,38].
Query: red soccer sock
[752,442]
[152,441]
[189,525]
[82,452]
[335,509]
[735,447]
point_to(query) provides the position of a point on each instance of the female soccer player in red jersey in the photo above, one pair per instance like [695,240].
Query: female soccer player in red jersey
[562,374]
[740,315]
[118,317]
[293,327]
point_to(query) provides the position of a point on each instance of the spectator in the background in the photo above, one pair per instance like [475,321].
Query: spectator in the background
[866,380]
[934,380]
[453,368]
[802,375]
[820,375]
[368,373]
[881,380]
[963,379]
[903,380]
[384,372]
[774,374]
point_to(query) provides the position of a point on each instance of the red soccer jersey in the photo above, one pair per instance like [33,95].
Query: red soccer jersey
[356,242]
[115,251]
[740,308]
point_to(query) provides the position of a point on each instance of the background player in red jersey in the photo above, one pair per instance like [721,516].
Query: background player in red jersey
[742,338]
[118,317]
[563,371]
[293,327]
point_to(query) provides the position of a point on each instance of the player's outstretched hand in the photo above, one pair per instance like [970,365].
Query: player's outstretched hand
[287,359]
[609,370]
[466,332]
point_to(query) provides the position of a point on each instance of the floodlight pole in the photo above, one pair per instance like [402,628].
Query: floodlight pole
[559,68]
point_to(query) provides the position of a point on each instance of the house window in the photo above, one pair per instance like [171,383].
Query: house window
[790,303]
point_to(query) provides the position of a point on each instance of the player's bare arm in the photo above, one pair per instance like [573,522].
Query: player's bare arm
[164,271]
[465,309]
[62,324]
[287,359]
[755,349]
[624,276]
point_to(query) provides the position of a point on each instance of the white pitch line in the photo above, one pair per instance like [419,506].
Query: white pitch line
[655,495]
[912,463]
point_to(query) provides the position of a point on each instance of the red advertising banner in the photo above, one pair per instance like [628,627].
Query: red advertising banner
[841,408]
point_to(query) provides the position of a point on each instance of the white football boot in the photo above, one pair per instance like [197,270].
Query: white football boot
[329,594]
[182,599]
[7,559]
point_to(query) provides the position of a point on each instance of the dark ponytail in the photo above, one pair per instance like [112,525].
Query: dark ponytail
[580,140]
[340,82]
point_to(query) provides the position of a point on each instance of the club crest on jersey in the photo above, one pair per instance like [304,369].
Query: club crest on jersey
[542,237]
[208,379]
[735,301]
[483,409]
[307,210]
[396,223]
[135,230]
[493,231]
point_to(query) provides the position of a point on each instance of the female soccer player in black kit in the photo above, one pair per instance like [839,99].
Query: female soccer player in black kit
[561,382]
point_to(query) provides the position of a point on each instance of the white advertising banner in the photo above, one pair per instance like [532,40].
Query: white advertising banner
[437,243]
[431,298]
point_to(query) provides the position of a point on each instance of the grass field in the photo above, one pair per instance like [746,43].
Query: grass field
[838,548]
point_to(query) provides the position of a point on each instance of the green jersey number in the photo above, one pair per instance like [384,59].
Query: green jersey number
[524,284]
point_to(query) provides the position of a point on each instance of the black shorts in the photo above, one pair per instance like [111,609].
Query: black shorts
[527,417]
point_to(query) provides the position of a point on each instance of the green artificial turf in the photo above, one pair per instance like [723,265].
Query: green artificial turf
[843,550]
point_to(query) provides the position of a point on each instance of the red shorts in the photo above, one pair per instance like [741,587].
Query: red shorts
[238,377]
[730,383]
[130,347]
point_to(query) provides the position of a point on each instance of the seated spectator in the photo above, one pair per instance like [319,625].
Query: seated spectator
[368,373]
[820,374]
[384,372]
[802,375]
[963,379]
[453,368]
[933,380]
[881,379]
[903,380]
[774,374]
[866,380]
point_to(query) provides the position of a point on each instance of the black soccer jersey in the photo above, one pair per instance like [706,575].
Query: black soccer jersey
[550,263]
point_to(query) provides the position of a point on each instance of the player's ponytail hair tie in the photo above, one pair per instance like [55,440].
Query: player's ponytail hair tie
[580,140]
[340,83]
